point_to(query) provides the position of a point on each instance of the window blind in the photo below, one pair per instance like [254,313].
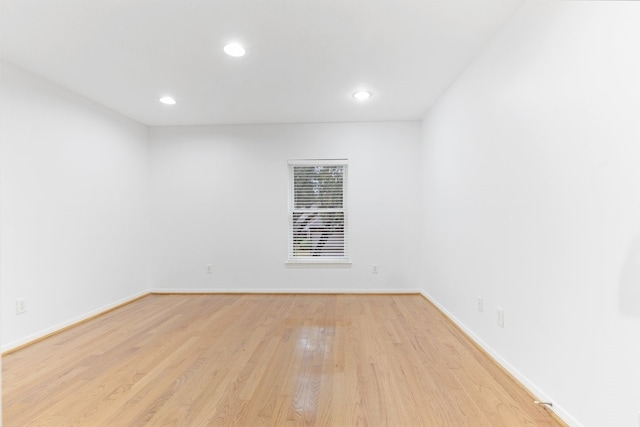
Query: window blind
[317,211]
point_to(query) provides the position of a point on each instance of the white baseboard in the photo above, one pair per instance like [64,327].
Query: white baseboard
[60,326]
[526,382]
[281,291]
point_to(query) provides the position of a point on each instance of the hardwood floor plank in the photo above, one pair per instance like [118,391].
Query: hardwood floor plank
[264,360]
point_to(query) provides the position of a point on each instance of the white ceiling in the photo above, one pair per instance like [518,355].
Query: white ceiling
[304,57]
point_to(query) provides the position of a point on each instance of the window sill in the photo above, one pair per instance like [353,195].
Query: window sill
[323,262]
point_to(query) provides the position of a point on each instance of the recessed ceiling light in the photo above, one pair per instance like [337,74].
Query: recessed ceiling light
[362,95]
[167,100]
[234,49]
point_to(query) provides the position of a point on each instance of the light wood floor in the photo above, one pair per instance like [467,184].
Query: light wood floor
[272,360]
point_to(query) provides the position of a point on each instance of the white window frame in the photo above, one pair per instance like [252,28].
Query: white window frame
[294,257]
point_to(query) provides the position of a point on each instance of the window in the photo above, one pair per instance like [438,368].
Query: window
[317,211]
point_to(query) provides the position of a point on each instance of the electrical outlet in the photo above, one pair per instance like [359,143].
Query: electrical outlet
[480,305]
[374,270]
[500,317]
[209,269]
[21,305]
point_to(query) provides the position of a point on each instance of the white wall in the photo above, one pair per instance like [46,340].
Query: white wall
[73,207]
[532,201]
[219,196]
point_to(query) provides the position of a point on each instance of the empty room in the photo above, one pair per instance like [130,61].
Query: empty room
[322,213]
